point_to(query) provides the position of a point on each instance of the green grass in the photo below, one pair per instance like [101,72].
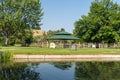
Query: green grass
[61,51]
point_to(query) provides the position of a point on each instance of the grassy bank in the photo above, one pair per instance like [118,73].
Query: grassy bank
[6,56]
[61,51]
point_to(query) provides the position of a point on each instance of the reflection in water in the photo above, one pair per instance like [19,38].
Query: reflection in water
[97,71]
[61,71]
[63,65]
[18,72]
[49,72]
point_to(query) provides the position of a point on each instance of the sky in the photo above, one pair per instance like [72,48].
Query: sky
[64,13]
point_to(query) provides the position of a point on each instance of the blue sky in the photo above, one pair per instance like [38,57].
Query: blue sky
[63,13]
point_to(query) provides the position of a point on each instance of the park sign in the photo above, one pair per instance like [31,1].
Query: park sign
[63,36]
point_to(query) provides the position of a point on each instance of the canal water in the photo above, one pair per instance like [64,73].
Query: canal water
[60,71]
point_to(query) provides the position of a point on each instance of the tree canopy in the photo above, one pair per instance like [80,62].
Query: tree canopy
[102,24]
[16,16]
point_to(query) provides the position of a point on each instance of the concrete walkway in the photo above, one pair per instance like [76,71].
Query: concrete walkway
[43,58]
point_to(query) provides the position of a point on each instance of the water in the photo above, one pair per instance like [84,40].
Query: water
[61,71]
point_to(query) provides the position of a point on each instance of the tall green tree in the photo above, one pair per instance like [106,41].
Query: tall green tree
[32,13]
[102,24]
[17,16]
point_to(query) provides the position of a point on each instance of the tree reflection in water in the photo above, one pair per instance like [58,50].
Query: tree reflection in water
[97,71]
[18,72]
[79,70]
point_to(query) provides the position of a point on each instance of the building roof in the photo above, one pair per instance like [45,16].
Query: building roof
[63,36]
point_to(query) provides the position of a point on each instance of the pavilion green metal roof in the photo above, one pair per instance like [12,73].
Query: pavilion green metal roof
[63,36]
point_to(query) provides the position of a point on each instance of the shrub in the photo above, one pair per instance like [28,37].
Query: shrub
[6,56]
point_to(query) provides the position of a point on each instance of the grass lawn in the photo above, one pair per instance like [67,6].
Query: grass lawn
[61,51]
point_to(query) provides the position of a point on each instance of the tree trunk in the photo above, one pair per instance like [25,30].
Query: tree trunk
[6,41]
[110,45]
[97,45]
[6,38]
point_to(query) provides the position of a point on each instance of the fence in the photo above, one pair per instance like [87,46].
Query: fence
[78,45]
[98,45]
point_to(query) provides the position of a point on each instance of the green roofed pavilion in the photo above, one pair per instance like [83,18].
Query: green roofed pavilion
[63,36]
